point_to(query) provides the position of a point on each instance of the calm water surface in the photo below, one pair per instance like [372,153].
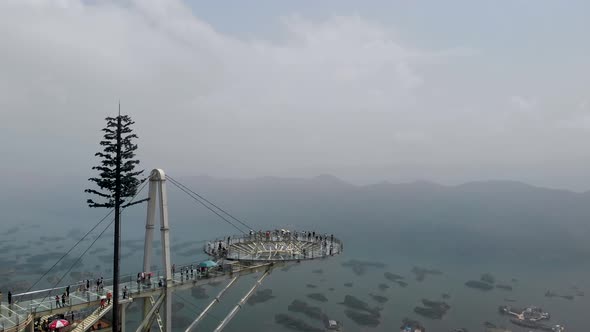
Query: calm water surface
[470,307]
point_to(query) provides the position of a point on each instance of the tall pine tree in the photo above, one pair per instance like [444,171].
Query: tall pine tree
[117,164]
[117,182]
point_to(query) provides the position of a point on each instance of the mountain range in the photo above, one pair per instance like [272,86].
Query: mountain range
[492,219]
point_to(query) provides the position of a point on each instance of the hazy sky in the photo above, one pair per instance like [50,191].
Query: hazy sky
[449,91]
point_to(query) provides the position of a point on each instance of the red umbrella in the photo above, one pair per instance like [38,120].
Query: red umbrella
[58,323]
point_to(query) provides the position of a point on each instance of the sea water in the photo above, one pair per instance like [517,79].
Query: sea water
[31,246]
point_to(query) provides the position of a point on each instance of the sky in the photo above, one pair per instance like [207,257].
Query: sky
[369,91]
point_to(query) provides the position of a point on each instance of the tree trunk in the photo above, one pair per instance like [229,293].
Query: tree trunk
[117,239]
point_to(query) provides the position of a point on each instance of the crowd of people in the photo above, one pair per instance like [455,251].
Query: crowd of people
[282,234]
[218,248]
[191,271]
[221,248]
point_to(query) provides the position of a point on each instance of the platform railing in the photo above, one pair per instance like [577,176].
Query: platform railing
[29,304]
[320,249]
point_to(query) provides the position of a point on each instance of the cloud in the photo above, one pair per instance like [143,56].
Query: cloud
[67,63]
[522,103]
[410,136]
[343,90]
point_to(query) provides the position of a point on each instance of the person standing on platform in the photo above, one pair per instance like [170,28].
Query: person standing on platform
[9,298]
[57,301]
[68,291]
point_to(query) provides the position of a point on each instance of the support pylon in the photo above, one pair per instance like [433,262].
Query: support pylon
[158,195]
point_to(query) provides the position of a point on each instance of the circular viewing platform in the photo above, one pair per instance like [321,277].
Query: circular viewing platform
[276,245]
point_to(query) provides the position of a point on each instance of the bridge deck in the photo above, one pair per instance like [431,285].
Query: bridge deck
[28,306]
[244,254]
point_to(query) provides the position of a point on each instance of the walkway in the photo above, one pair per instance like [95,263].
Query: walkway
[28,306]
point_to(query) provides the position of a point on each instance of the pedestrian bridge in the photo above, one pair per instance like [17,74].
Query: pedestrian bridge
[27,307]
[238,255]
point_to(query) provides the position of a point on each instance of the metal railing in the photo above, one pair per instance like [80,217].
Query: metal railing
[27,305]
[315,248]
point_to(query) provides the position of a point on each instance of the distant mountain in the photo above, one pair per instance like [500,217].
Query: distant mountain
[476,216]
[506,202]
[503,219]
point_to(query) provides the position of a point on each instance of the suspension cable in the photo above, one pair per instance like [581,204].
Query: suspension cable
[77,260]
[72,248]
[217,207]
[93,242]
[205,205]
